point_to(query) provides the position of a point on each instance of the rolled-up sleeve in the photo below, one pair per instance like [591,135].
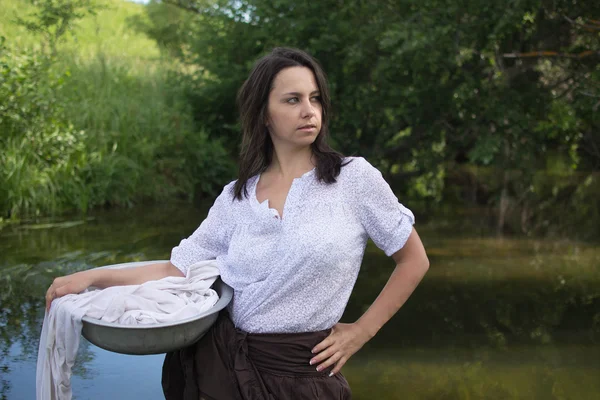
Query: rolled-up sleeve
[387,222]
[211,239]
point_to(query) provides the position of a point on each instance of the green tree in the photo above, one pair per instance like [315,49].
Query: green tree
[52,19]
[170,26]
[424,87]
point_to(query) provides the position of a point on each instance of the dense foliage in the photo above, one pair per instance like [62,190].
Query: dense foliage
[38,142]
[484,103]
[459,103]
[78,132]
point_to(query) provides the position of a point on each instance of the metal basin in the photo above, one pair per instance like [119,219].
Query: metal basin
[155,338]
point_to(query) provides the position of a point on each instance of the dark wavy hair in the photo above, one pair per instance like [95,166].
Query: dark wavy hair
[256,151]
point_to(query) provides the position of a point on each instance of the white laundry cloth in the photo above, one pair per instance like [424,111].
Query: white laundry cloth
[166,300]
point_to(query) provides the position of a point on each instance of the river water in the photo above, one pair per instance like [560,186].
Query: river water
[495,318]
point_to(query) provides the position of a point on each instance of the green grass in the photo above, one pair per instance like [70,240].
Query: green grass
[107,32]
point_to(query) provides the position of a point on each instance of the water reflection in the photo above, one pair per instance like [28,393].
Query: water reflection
[531,372]
[494,318]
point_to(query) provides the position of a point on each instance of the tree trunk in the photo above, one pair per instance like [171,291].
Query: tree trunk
[503,207]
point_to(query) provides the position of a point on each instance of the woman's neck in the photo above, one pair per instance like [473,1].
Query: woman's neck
[291,164]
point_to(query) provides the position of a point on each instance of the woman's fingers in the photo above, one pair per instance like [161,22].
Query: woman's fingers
[335,350]
[328,341]
[49,296]
[323,355]
[330,361]
[58,288]
[339,365]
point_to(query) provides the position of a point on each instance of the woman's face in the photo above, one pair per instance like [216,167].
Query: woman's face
[294,111]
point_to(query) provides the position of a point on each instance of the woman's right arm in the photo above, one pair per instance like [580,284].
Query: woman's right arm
[102,278]
[208,241]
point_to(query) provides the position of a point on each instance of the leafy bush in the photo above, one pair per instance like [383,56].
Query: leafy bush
[80,133]
[37,139]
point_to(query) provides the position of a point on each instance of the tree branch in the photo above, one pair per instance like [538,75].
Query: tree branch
[588,94]
[594,27]
[185,7]
[546,53]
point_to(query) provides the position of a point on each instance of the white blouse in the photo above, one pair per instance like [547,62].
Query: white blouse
[296,273]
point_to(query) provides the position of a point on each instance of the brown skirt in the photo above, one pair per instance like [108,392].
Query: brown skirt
[230,364]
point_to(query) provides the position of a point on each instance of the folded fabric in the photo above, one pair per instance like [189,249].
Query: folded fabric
[250,366]
[166,300]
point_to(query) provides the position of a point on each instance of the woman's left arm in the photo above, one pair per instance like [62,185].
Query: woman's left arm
[346,339]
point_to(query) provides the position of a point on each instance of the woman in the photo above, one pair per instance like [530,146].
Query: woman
[289,236]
